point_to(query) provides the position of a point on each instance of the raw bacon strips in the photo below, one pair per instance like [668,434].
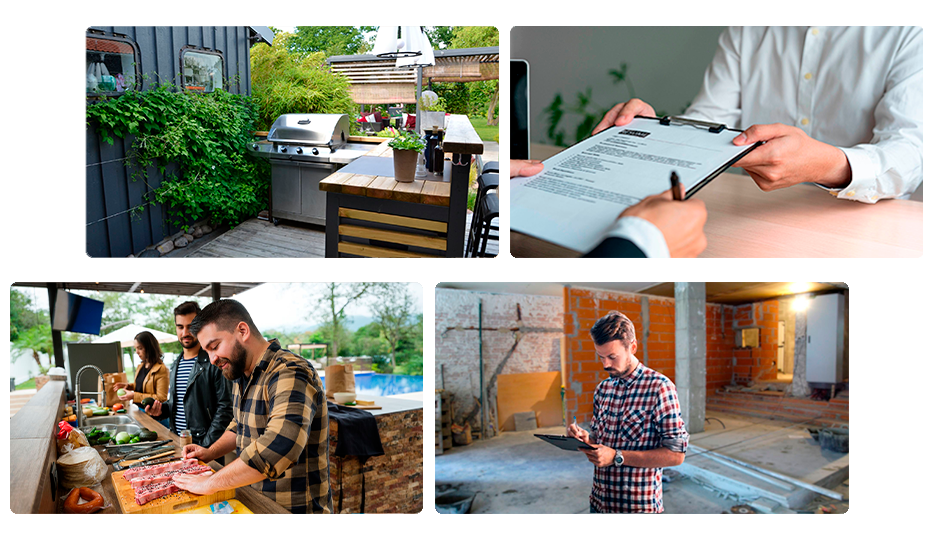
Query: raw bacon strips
[133,473]
[147,493]
[167,476]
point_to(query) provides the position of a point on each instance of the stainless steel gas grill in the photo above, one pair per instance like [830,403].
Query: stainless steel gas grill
[303,149]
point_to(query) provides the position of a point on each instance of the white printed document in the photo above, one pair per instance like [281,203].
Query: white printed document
[582,190]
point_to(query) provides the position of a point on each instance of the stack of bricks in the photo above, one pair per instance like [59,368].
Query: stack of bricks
[756,364]
[457,341]
[395,481]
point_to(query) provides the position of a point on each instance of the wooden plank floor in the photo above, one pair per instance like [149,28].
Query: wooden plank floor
[258,238]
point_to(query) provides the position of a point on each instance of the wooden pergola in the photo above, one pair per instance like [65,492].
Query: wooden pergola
[376,81]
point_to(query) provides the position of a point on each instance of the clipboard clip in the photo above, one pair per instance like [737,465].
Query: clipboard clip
[681,121]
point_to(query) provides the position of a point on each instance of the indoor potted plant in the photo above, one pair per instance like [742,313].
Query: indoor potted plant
[405,149]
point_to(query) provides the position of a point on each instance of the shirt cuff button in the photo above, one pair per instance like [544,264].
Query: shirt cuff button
[851,193]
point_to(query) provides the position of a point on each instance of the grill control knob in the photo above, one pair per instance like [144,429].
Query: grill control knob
[255,146]
[314,151]
[299,150]
[284,150]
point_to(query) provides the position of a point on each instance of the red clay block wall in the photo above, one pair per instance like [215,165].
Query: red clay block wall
[720,346]
[755,364]
[582,307]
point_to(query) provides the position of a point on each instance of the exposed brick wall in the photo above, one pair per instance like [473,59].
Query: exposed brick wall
[755,364]
[582,308]
[394,481]
[720,346]
[457,341]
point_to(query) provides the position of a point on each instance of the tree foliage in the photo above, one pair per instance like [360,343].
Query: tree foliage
[331,304]
[393,308]
[330,40]
[477,98]
[287,82]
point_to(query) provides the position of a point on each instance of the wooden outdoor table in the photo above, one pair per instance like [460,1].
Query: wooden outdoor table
[376,216]
[801,221]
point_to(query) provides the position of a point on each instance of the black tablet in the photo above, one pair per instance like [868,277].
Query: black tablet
[564,442]
[520,111]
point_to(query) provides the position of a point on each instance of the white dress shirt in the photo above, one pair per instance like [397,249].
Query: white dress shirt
[856,88]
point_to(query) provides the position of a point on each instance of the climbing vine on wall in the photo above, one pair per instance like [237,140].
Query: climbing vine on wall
[206,135]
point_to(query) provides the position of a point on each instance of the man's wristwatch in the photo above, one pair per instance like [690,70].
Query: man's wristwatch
[619,458]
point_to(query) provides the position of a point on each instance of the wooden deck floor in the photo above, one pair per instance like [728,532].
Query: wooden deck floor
[258,238]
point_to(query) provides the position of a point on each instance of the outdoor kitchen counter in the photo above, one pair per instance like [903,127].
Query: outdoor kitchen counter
[373,215]
[254,500]
[393,482]
[33,454]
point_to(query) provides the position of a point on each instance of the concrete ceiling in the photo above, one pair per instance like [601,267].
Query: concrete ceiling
[716,292]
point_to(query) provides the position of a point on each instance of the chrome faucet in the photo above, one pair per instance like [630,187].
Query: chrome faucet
[79,411]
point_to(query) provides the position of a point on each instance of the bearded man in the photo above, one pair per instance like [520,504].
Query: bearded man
[279,427]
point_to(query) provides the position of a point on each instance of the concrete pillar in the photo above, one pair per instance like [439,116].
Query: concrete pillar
[691,353]
[800,387]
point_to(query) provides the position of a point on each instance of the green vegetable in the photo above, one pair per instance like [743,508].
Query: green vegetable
[123,437]
[121,392]
[147,401]
[134,439]
[147,435]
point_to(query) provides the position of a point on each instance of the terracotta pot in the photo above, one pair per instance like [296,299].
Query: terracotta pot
[405,164]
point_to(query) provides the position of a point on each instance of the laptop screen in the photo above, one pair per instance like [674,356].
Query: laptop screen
[520,130]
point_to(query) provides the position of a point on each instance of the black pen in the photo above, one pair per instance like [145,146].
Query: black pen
[675,186]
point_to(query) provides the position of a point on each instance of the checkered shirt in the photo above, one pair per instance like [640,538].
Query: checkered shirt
[639,412]
[280,421]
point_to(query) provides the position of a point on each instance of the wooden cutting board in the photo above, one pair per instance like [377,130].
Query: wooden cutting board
[359,407]
[173,503]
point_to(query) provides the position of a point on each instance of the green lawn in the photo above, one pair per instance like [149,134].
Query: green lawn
[486,133]
[29,384]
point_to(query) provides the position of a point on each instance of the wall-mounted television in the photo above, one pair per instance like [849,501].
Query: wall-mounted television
[77,314]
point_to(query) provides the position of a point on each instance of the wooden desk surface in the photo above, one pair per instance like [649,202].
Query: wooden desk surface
[802,221]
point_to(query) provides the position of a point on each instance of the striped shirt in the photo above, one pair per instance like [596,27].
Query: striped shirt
[185,366]
[639,412]
[282,431]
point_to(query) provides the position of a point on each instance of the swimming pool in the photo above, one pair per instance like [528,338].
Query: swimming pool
[386,384]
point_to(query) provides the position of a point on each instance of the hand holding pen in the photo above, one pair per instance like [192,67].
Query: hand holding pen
[574,431]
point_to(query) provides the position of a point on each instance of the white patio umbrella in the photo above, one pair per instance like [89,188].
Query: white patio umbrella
[127,334]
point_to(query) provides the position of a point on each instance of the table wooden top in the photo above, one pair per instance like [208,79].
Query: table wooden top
[802,221]
[435,190]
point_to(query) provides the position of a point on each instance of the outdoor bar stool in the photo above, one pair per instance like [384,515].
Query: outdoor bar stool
[488,211]
[490,167]
[485,183]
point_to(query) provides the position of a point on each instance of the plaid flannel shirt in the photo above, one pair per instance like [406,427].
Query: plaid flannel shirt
[637,413]
[280,421]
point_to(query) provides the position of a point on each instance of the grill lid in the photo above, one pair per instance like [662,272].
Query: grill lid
[310,129]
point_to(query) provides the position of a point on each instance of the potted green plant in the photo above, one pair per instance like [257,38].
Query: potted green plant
[405,149]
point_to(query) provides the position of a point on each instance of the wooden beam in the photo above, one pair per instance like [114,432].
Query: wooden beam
[397,237]
[374,251]
[392,219]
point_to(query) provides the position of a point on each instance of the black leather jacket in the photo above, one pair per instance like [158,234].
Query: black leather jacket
[208,401]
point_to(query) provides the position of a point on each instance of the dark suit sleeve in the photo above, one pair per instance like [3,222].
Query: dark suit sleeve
[616,247]
[224,415]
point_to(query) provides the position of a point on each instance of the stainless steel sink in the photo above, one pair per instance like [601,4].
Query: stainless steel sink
[115,429]
[111,420]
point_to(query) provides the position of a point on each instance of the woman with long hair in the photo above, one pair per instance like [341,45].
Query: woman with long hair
[151,374]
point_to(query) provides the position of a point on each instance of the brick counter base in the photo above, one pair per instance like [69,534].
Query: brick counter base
[395,481]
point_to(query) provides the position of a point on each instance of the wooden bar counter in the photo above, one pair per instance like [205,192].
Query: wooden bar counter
[373,215]
[33,454]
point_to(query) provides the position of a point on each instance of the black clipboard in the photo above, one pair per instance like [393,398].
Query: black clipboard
[712,127]
[564,442]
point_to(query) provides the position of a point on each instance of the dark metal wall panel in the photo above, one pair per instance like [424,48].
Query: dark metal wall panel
[110,188]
